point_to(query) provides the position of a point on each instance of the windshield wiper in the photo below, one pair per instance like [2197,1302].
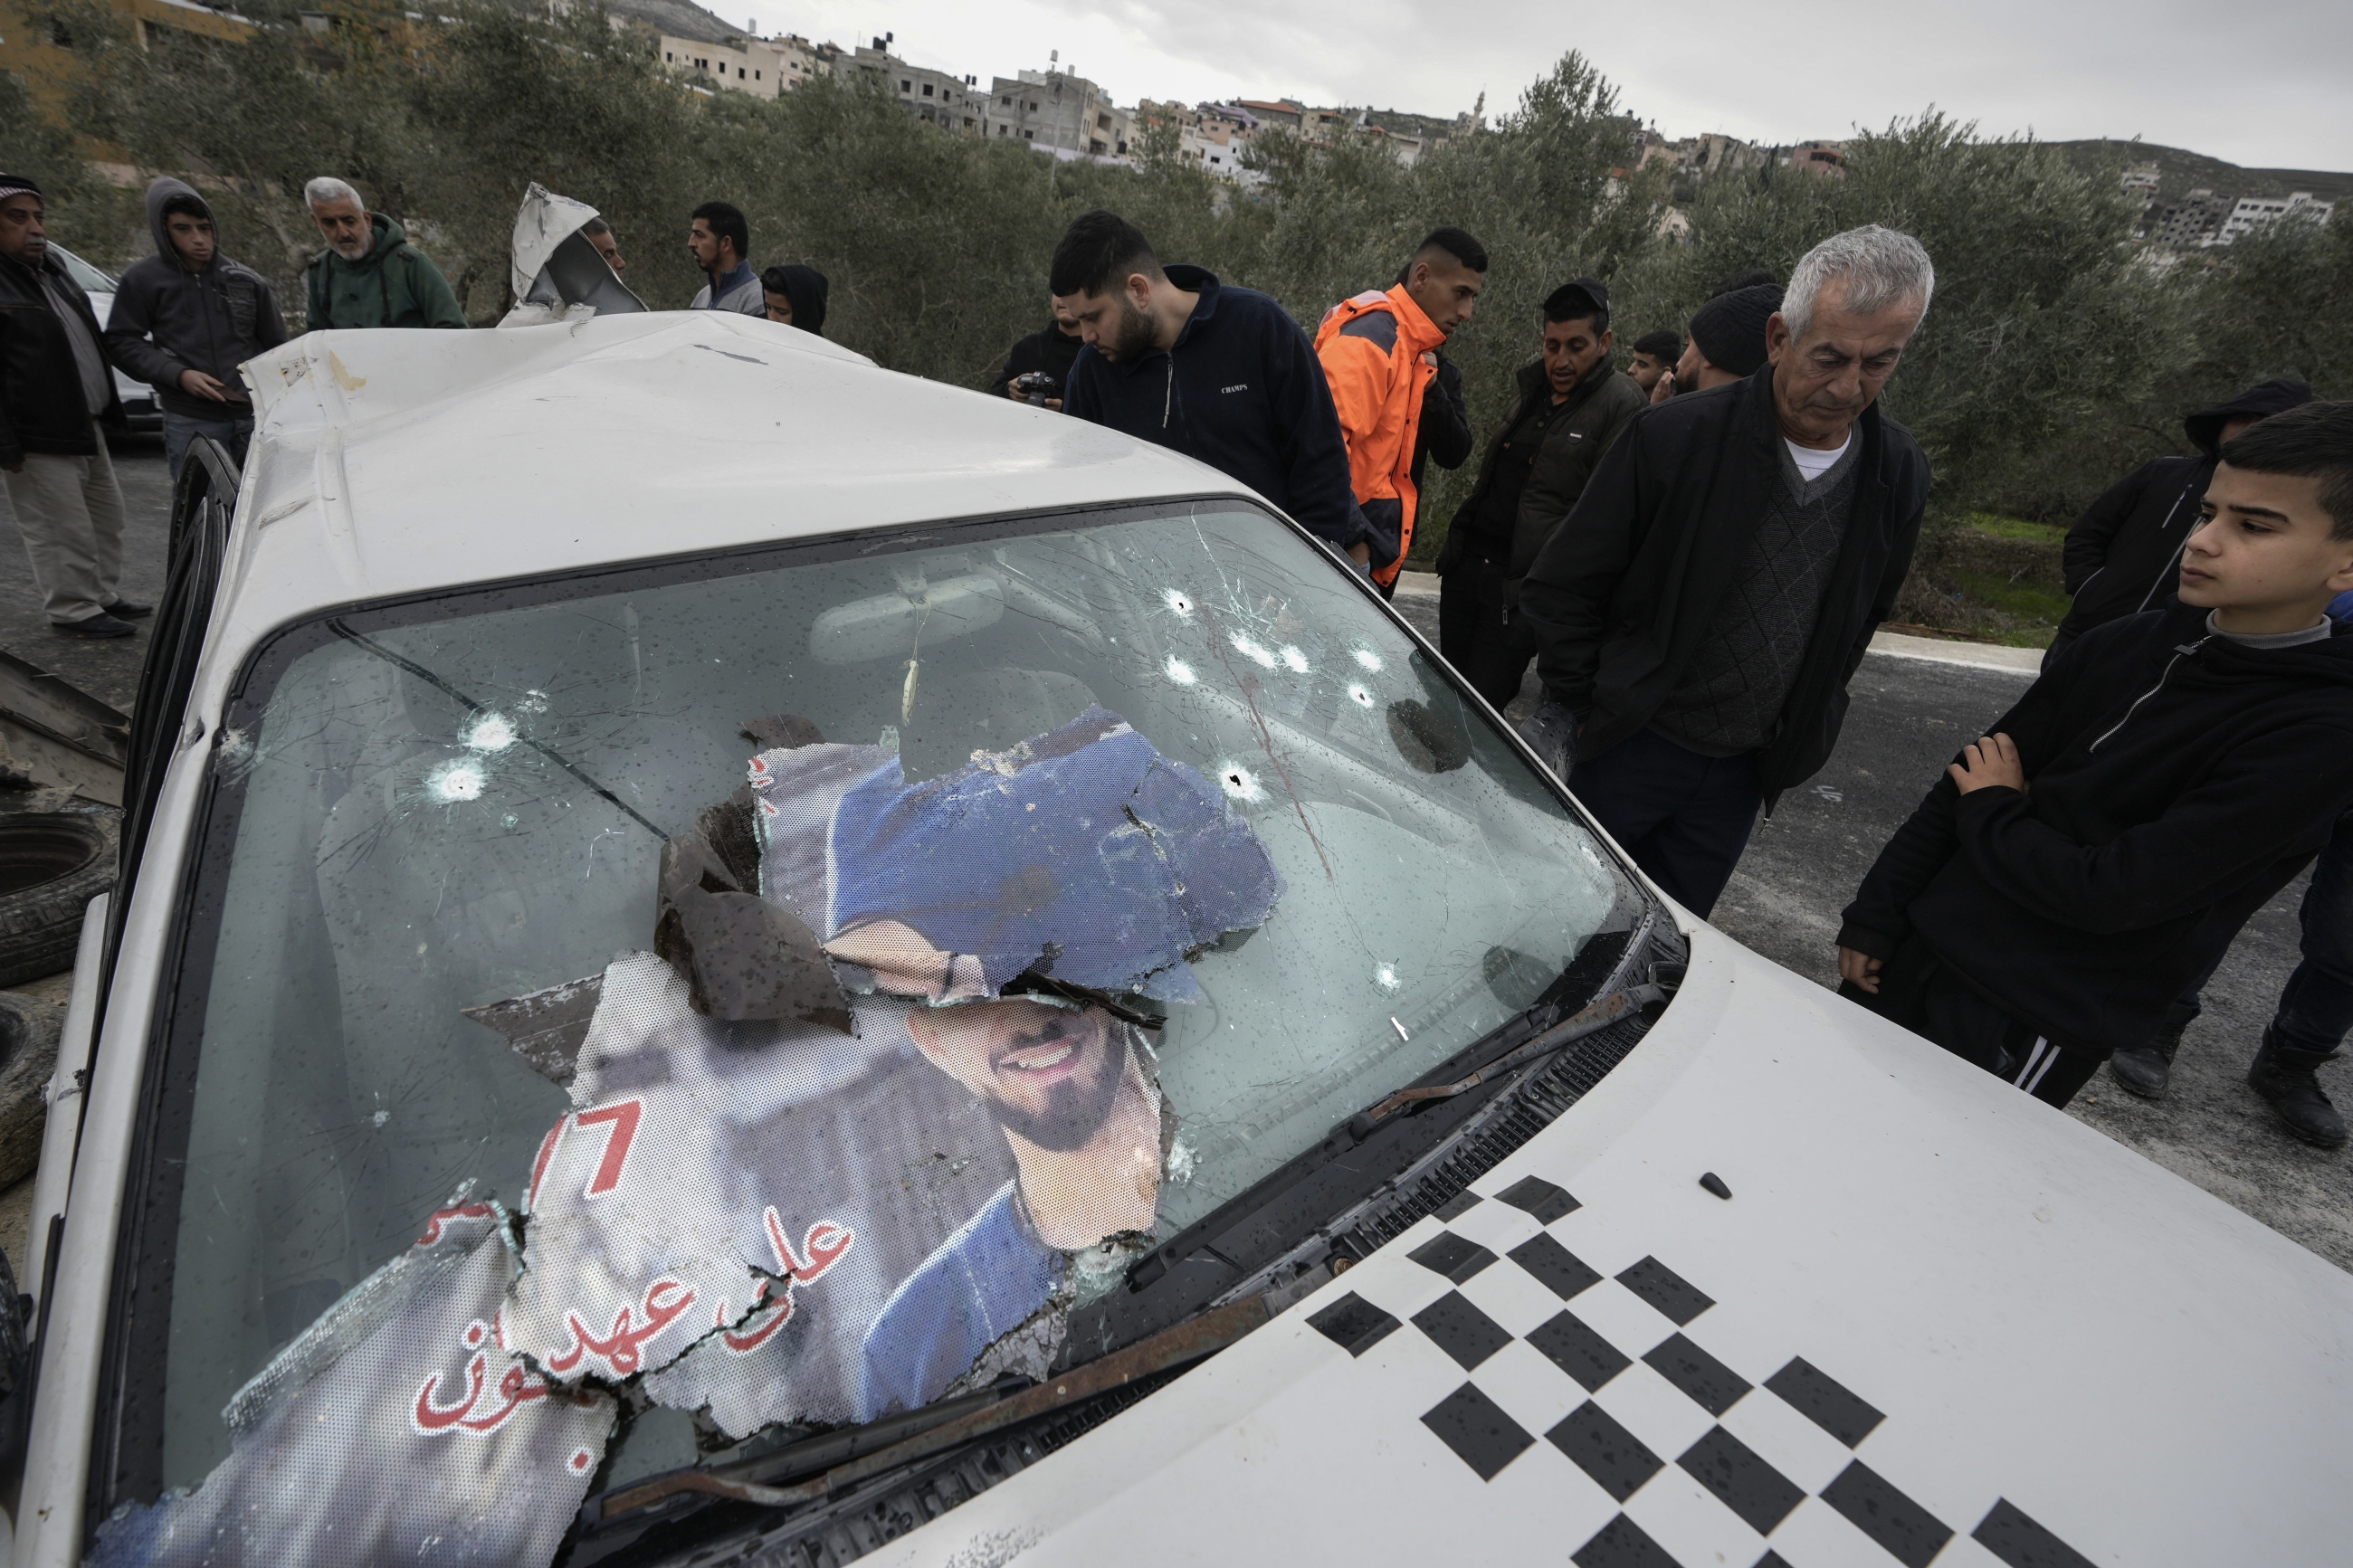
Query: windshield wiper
[1610,1009]
[935,1428]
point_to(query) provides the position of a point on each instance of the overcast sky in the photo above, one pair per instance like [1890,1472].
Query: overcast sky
[2267,86]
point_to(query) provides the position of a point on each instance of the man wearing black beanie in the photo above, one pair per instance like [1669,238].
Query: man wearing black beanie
[1699,614]
[1727,339]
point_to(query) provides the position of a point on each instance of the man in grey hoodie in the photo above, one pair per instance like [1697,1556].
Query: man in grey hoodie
[186,318]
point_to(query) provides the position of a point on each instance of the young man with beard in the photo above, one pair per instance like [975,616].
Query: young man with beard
[1379,352]
[1217,373]
[719,239]
[1572,404]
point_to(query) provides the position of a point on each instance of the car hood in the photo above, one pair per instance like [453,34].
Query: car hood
[1931,1309]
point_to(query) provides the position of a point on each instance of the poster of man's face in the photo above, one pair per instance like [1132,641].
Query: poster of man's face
[817,1216]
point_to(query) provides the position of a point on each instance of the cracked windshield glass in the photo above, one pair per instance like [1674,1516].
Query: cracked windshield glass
[630,1016]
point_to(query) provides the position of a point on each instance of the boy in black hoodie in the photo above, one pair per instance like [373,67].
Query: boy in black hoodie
[2167,775]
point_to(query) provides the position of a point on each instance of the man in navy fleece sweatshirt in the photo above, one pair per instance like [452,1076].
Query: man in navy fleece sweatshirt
[2167,774]
[1216,372]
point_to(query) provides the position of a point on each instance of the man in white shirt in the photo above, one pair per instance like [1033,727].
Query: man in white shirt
[1699,614]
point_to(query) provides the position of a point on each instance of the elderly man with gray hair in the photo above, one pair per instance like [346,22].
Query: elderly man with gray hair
[1698,616]
[369,274]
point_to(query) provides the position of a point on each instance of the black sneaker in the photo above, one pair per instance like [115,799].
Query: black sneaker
[100,625]
[2283,1076]
[128,610]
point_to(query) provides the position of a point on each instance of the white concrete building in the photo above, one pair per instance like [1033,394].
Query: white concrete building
[2251,213]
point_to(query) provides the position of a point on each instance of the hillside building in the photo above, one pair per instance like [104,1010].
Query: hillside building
[2251,213]
[1054,110]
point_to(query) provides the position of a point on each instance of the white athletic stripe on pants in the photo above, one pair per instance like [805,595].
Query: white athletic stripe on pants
[70,510]
[2037,1062]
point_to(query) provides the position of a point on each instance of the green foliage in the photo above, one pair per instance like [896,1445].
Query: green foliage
[2055,356]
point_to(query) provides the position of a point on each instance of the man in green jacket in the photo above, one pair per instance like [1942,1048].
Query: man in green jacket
[369,274]
[1571,405]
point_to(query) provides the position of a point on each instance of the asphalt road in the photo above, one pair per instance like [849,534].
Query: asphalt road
[1909,716]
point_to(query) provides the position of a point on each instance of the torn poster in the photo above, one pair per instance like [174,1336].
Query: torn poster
[399,1427]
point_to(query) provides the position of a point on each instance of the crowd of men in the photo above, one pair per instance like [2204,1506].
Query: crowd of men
[1694,552]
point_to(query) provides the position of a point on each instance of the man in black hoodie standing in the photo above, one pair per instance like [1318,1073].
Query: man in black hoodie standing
[2167,774]
[186,318]
[54,393]
[2122,554]
[1698,616]
[1217,373]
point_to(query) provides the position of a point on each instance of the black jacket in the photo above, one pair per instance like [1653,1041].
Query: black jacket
[213,320]
[1443,436]
[41,404]
[2179,780]
[1243,392]
[1623,592]
[1050,350]
[2121,556]
[1599,408]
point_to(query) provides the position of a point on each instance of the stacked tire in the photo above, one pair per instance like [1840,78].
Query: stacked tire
[52,863]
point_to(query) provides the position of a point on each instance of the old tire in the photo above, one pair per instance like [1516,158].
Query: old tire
[52,863]
[28,1057]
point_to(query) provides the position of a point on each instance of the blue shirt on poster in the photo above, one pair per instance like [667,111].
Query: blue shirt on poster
[981,1284]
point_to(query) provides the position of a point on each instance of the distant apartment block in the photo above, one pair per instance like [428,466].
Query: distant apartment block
[1055,112]
[2141,180]
[2251,213]
[764,68]
[2191,221]
[938,97]
[1827,159]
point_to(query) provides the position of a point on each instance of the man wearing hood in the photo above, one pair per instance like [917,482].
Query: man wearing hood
[794,296]
[369,274]
[2122,554]
[186,318]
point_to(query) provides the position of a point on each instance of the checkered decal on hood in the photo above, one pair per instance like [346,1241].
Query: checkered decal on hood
[1657,1404]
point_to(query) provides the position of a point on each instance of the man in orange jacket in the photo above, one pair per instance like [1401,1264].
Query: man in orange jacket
[1380,356]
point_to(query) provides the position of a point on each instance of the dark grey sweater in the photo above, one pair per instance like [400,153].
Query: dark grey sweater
[1730,696]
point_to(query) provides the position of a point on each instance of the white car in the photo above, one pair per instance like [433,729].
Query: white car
[141,407]
[728,957]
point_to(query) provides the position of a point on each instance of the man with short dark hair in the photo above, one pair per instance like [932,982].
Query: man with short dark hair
[369,274]
[600,235]
[1571,405]
[2167,774]
[55,391]
[1379,352]
[2121,555]
[1700,614]
[186,318]
[1655,354]
[1217,373]
[719,240]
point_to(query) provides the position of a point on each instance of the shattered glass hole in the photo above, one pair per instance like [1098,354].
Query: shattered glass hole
[1368,659]
[1385,975]
[1361,695]
[534,701]
[490,732]
[1256,652]
[1293,659]
[455,781]
[1178,602]
[1179,671]
[1241,783]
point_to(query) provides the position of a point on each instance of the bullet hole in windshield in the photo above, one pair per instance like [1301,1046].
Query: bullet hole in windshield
[490,732]
[1241,783]
[1293,660]
[455,781]
[1254,651]
[1360,695]
[1178,602]
[1385,975]
[1368,659]
[1181,672]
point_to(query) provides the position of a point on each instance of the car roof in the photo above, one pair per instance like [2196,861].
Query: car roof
[390,462]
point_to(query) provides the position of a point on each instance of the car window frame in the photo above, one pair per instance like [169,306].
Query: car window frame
[137,1329]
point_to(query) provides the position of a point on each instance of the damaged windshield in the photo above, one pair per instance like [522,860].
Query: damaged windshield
[628,1016]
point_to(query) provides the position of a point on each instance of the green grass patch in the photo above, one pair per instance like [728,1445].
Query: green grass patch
[2035,601]
[2002,527]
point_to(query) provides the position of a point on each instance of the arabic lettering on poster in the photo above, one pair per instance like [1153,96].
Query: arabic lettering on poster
[771,1305]
[441,1217]
[515,1389]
